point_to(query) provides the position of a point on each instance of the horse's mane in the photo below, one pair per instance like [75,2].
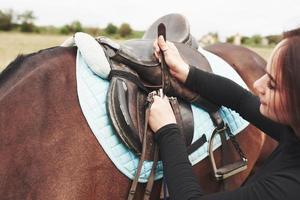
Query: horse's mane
[17,63]
[14,65]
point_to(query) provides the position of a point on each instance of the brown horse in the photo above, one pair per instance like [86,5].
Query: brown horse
[47,149]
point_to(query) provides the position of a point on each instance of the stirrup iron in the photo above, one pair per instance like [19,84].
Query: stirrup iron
[231,169]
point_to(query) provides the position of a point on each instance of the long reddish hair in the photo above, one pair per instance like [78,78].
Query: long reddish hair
[288,66]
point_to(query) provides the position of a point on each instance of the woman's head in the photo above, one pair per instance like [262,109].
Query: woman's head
[279,89]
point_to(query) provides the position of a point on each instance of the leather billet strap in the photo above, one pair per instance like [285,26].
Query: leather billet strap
[174,104]
[150,182]
[134,184]
[152,174]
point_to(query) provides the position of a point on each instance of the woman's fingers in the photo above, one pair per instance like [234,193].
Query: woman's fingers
[172,45]
[161,113]
[177,66]
[156,49]
[156,55]
[162,43]
[155,45]
[161,99]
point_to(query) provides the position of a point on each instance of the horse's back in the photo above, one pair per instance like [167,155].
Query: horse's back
[248,64]
[47,150]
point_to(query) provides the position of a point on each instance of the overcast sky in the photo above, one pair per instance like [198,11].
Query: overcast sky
[226,17]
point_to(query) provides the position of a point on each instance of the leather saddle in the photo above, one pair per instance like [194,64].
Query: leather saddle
[135,72]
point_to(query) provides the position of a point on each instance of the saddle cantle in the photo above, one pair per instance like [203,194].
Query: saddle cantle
[178,30]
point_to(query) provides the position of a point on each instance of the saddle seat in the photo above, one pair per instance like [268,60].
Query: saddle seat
[137,55]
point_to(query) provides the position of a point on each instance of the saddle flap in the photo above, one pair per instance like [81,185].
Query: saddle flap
[120,112]
[126,109]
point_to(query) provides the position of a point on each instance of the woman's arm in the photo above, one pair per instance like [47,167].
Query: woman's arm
[181,181]
[223,91]
[183,185]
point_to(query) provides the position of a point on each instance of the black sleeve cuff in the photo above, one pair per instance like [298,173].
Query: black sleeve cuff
[164,130]
[190,80]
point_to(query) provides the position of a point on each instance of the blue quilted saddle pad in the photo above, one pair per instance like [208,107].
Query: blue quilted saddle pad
[92,91]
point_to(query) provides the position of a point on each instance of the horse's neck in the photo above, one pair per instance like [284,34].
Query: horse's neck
[24,65]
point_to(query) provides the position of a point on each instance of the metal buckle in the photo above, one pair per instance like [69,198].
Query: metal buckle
[226,171]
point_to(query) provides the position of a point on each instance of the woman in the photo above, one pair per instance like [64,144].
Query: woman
[276,111]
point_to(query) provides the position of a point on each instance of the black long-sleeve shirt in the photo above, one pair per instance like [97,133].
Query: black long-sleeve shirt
[278,178]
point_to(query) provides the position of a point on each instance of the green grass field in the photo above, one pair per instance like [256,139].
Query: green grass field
[13,44]
[265,52]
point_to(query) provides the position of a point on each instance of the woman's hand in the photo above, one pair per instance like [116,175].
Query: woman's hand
[161,113]
[178,68]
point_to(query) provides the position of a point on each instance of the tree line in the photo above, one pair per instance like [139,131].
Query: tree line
[257,40]
[25,22]
[9,20]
